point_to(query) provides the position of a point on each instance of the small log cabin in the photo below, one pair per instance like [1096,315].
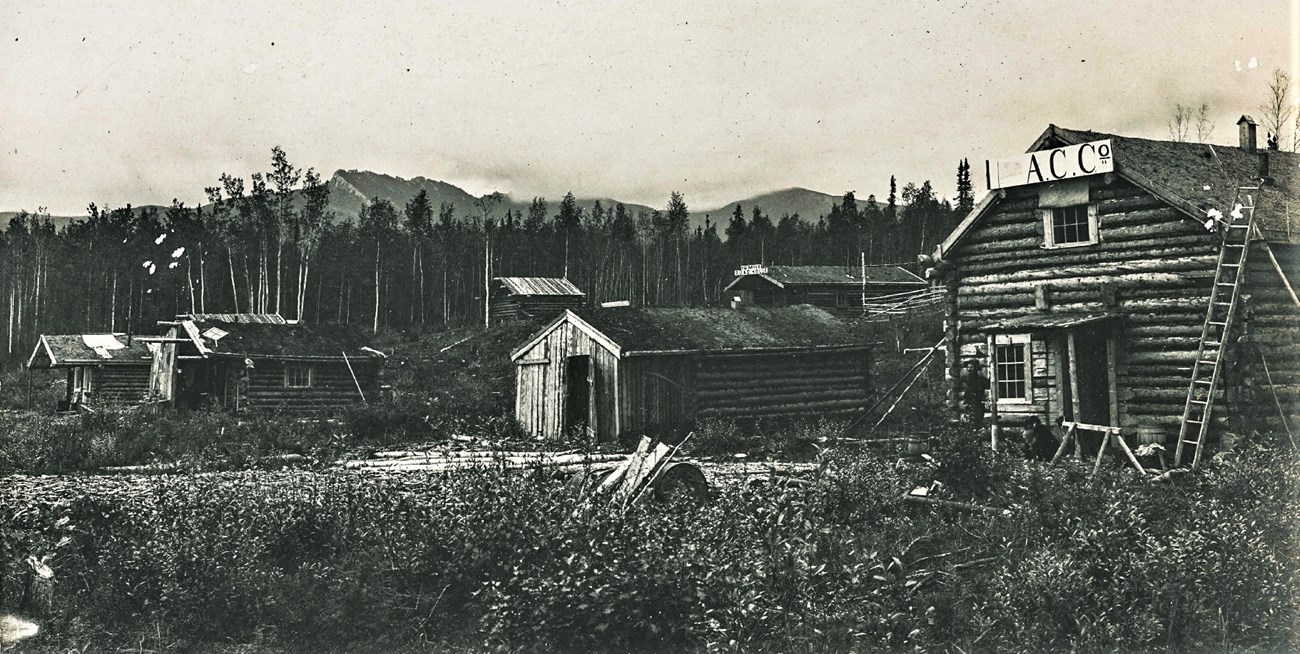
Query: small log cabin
[101,368]
[1085,298]
[613,373]
[525,298]
[260,362]
[829,287]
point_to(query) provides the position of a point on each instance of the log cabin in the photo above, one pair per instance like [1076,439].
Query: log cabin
[610,374]
[526,298]
[1098,289]
[261,362]
[844,288]
[101,368]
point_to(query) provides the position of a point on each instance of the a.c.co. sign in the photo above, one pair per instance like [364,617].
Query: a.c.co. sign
[1091,158]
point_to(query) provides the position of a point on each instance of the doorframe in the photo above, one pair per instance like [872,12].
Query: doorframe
[1112,377]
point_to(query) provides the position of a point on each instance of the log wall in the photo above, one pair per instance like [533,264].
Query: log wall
[1270,360]
[1153,267]
[332,386]
[772,384]
[528,307]
[118,384]
[541,378]
[656,392]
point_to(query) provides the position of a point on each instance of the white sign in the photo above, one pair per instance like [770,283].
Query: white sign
[1092,158]
[751,269]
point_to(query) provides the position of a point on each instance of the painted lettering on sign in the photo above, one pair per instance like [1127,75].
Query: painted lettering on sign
[1091,158]
[751,269]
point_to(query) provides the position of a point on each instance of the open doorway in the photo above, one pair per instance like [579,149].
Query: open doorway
[578,382]
[1085,375]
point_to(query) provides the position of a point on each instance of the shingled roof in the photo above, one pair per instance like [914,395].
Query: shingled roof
[539,286]
[1191,177]
[647,330]
[66,350]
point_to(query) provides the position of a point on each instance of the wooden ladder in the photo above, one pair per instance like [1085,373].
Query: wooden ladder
[1229,274]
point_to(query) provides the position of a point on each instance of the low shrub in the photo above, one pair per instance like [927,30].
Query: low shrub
[831,562]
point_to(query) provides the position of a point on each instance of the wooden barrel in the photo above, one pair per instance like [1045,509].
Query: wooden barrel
[1151,434]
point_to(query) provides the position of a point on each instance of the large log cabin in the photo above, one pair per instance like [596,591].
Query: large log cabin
[1085,297]
[101,368]
[612,373]
[261,362]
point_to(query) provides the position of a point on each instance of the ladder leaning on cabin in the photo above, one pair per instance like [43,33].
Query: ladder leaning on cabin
[1229,274]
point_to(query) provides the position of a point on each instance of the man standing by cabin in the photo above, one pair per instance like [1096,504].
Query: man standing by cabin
[973,387]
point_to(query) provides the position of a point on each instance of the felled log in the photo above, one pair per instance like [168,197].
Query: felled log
[919,499]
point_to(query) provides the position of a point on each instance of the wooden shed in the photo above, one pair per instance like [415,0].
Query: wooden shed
[259,362]
[525,298]
[1132,283]
[101,368]
[830,287]
[618,372]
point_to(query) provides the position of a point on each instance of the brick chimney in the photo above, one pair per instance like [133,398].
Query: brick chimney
[1246,133]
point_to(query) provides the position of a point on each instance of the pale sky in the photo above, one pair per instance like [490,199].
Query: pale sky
[143,102]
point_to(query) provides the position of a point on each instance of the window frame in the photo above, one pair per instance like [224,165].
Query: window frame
[1021,342]
[1048,217]
[289,375]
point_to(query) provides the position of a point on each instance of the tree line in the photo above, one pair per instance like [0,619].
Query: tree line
[270,244]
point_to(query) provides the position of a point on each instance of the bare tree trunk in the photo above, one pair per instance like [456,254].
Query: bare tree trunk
[376,325]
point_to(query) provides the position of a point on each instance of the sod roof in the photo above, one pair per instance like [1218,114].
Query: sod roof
[272,340]
[658,329]
[850,276]
[62,350]
[1207,176]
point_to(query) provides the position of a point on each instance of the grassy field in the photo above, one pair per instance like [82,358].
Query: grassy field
[334,561]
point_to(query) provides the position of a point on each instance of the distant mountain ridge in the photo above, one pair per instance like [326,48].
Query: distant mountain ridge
[795,201]
[352,189]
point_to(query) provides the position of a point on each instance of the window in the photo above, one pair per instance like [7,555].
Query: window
[1070,226]
[1011,367]
[297,376]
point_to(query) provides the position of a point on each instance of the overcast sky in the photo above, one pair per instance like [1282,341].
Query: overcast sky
[143,102]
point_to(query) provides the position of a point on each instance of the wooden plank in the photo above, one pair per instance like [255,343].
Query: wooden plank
[990,352]
[641,466]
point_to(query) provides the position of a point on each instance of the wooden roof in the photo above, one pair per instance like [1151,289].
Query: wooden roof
[70,350]
[539,286]
[237,318]
[846,276]
[648,330]
[1191,177]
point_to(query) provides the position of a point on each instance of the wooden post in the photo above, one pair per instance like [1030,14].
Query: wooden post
[354,377]
[1112,383]
[1074,391]
[1285,282]
[1119,438]
[1065,442]
[1101,452]
[1273,389]
[993,391]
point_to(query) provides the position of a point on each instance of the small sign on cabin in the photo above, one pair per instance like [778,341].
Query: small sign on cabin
[751,269]
[1091,158]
